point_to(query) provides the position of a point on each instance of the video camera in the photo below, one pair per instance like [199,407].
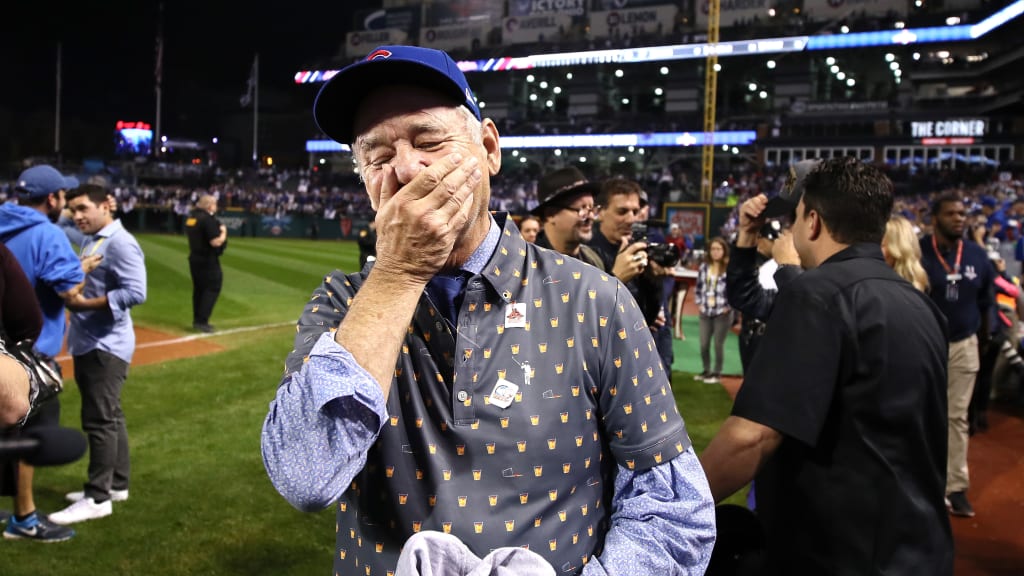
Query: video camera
[666,255]
[771,230]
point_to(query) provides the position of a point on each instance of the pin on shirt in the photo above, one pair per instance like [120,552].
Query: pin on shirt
[503,393]
[515,315]
[527,372]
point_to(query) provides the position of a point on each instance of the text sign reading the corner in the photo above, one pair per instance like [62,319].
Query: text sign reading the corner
[966,127]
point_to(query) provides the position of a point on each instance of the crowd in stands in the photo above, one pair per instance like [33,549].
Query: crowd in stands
[279,192]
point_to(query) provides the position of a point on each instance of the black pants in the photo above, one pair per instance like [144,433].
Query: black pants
[206,283]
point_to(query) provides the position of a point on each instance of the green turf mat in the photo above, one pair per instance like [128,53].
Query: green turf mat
[688,351]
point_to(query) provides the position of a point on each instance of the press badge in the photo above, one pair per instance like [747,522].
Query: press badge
[515,315]
[503,394]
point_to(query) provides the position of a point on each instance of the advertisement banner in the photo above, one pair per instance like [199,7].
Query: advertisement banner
[455,36]
[527,29]
[731,12]
[444,13]
[405,18]
[532,7]
[633,21]
[358,44]
[603,5]
[827,10]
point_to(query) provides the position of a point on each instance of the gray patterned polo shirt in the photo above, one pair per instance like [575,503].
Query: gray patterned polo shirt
[505,429]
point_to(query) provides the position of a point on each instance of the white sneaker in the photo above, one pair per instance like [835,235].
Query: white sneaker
[115,496]
[84,509]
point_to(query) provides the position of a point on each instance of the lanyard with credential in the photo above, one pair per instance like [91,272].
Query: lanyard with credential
[97,243]
[952,275]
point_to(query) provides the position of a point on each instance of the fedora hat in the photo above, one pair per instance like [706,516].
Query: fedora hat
[555,188]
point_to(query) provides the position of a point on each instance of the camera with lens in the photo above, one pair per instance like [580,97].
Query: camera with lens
[666,255]
[771,230]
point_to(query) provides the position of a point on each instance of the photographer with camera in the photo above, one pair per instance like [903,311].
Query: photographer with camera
[763,257]
[627,251]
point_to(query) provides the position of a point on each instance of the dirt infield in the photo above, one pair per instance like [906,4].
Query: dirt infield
[152,346]
[991,543]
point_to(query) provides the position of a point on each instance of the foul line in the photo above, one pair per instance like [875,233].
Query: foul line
[192,337]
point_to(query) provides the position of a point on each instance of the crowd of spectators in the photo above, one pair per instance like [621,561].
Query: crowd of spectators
[330,195]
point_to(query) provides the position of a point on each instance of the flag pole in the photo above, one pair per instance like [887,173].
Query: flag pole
[56,122]
[255,108]
[159,77]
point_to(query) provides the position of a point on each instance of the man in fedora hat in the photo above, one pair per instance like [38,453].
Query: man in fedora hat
[566,212]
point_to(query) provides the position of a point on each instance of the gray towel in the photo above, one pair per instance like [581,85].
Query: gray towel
[438,554]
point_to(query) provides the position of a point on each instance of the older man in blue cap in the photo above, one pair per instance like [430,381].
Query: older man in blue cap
[492,397]
[57,274]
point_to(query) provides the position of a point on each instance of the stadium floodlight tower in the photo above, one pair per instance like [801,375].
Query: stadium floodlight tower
[710,97]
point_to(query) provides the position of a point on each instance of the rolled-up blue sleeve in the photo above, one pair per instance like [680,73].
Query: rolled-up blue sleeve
[663,522]
[320,426]
[129,265]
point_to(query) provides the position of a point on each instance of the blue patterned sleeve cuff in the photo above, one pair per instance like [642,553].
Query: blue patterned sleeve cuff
[333,373]
[663,522]
[320,426]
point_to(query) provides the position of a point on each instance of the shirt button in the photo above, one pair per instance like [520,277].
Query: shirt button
[462,396]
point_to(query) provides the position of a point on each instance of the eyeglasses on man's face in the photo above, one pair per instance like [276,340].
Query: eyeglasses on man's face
[583,211]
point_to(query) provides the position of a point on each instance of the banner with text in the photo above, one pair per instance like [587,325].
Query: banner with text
[531,7]
[826,10]
[358,44]
[633,21]
[731,12]
[444,13]
[455,36]
[526,29]
[599,5]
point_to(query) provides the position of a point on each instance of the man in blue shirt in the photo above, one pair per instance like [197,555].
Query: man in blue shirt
[53,269]
[102,341]
[471,383]
[961,280]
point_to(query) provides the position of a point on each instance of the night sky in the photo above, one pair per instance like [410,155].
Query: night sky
[108,52]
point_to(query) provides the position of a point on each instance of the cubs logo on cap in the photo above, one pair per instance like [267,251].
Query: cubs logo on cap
[339,99]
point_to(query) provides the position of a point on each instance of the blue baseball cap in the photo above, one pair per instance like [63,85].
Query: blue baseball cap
[43,180]
[337,102]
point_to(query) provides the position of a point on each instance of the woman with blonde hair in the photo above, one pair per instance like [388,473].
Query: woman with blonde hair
[902,251]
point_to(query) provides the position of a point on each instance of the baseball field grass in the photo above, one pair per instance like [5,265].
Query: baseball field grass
[200,502]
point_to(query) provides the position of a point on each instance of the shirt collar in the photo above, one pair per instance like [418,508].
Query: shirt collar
[478,259]
[109,230]
[858,250]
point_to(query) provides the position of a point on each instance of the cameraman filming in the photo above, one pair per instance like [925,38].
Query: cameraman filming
[763,257]
[625,248]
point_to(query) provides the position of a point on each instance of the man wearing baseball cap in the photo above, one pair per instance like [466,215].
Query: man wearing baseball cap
[566,212]
[501,398]
[57,274]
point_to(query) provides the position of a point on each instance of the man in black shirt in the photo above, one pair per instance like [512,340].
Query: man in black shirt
[842,416]
[621,204]
[207,238]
